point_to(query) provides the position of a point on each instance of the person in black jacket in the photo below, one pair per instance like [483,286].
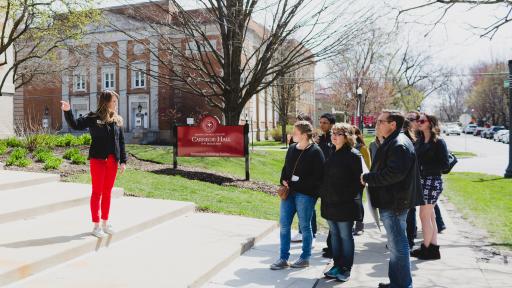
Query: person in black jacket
[394,186]
[107,151]
[433,159]
[302,173]
[341,199]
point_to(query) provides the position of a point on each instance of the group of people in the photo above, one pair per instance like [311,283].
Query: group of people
[401,169]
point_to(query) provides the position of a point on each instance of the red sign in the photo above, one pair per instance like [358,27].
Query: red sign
[211,139]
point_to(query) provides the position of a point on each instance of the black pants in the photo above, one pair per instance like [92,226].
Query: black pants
[439,218]
[313,224]
[412,229]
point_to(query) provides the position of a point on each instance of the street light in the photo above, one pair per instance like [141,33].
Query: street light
[508,172]
[359,104]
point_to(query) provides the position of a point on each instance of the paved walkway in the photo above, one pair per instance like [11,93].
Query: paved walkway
[459,266]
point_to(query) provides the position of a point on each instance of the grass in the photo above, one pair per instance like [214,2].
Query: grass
[265,165]
[462,155]
[486,200]
[267,143]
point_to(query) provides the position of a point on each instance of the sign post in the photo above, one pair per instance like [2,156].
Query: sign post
[465,119]
[211,139]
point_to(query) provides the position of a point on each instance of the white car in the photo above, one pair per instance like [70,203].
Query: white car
[506,139]
[498,136]
[452,129]
[470,129]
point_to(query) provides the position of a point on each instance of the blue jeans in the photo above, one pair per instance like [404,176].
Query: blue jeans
[399,266]
[303,205]
[342,243]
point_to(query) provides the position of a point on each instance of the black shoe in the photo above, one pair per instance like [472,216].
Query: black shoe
[419,252]
[441,229]
[431,253]
[325,249]
[327,254]
[382,285]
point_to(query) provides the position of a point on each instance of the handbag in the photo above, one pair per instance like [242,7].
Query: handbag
[284,191]
[452,159]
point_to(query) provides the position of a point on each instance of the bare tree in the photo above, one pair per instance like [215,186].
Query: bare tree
[440,8]
[221,54]
[37,29]
[453,98]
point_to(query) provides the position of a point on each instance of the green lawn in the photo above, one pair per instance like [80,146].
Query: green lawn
[208,197]
[461,155]
[267,143]
[484,199]
[265,165]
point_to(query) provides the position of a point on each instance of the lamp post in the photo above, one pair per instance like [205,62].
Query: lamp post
[508,172]
[359,106]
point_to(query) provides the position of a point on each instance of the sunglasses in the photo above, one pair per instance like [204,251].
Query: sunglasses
[384,121]
[422,121]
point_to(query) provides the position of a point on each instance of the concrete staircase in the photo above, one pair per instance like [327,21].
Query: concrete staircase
[45,238]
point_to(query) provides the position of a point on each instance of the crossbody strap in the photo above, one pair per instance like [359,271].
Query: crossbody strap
[297,162]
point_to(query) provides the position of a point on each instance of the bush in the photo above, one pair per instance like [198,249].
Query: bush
[14,142]
[18,158]
[42,154]
[65,140]
[70,153]
[52,163]
[3,148]
[85,139]
[276,133]
[78,159]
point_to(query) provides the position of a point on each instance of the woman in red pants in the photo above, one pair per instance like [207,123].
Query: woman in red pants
[107,151]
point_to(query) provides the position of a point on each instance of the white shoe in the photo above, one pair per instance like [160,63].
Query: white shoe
[297,238]
[108,229]
[97,232]
[313,243]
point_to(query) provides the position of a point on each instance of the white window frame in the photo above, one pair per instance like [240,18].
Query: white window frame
[108,77]
[139,75]
[79,80]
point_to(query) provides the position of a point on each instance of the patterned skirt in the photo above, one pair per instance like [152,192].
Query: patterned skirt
[432,188]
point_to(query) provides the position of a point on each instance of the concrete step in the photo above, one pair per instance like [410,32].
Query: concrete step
[16,179]
[33,245]
[184,252]
[30,201]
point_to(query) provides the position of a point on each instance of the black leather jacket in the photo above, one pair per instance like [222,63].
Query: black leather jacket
[394,179]
[99,135]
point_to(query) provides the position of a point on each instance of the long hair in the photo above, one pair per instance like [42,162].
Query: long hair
[408,131]
[435,131]
[359,136]
[104,113]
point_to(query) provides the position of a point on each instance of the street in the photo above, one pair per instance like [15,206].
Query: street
[492,156]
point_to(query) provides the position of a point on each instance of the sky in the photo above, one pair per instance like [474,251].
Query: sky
[454,42]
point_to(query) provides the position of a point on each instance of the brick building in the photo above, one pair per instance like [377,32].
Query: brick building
[109,59]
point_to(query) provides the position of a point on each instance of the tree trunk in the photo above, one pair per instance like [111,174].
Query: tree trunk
[284,139]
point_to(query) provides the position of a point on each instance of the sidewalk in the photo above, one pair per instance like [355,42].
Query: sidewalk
[457,268]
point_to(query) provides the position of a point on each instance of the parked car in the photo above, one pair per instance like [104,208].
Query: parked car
[498,136]
[478,131]
[489,132]
[452,129]
[470,128]
[506,139]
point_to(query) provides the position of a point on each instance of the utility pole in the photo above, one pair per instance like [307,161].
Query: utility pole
[508,172]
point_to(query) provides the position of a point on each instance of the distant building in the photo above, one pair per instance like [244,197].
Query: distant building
[7,92]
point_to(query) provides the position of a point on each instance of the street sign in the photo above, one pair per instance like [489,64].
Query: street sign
[506,84]
[465,119]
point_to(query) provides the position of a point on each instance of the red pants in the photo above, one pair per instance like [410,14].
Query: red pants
[103,174]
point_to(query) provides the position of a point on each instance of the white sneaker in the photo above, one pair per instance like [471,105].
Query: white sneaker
[313,243]
[97,232]
[108,229]
[297,238]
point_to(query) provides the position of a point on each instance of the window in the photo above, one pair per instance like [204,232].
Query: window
[108,77]
[79,80]
[138,75]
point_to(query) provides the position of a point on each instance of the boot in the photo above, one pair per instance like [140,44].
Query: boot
[419,252]
[432,253]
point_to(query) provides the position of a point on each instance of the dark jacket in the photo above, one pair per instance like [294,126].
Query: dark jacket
[432,157]
[101,134]
[341,190]
[325,143]
[309,169]
[394,179]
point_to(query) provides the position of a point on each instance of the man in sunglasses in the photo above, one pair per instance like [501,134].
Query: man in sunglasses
[394,185]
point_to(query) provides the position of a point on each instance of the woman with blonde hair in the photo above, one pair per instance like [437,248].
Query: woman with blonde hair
[107,151]
[341,199]
[302,174]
